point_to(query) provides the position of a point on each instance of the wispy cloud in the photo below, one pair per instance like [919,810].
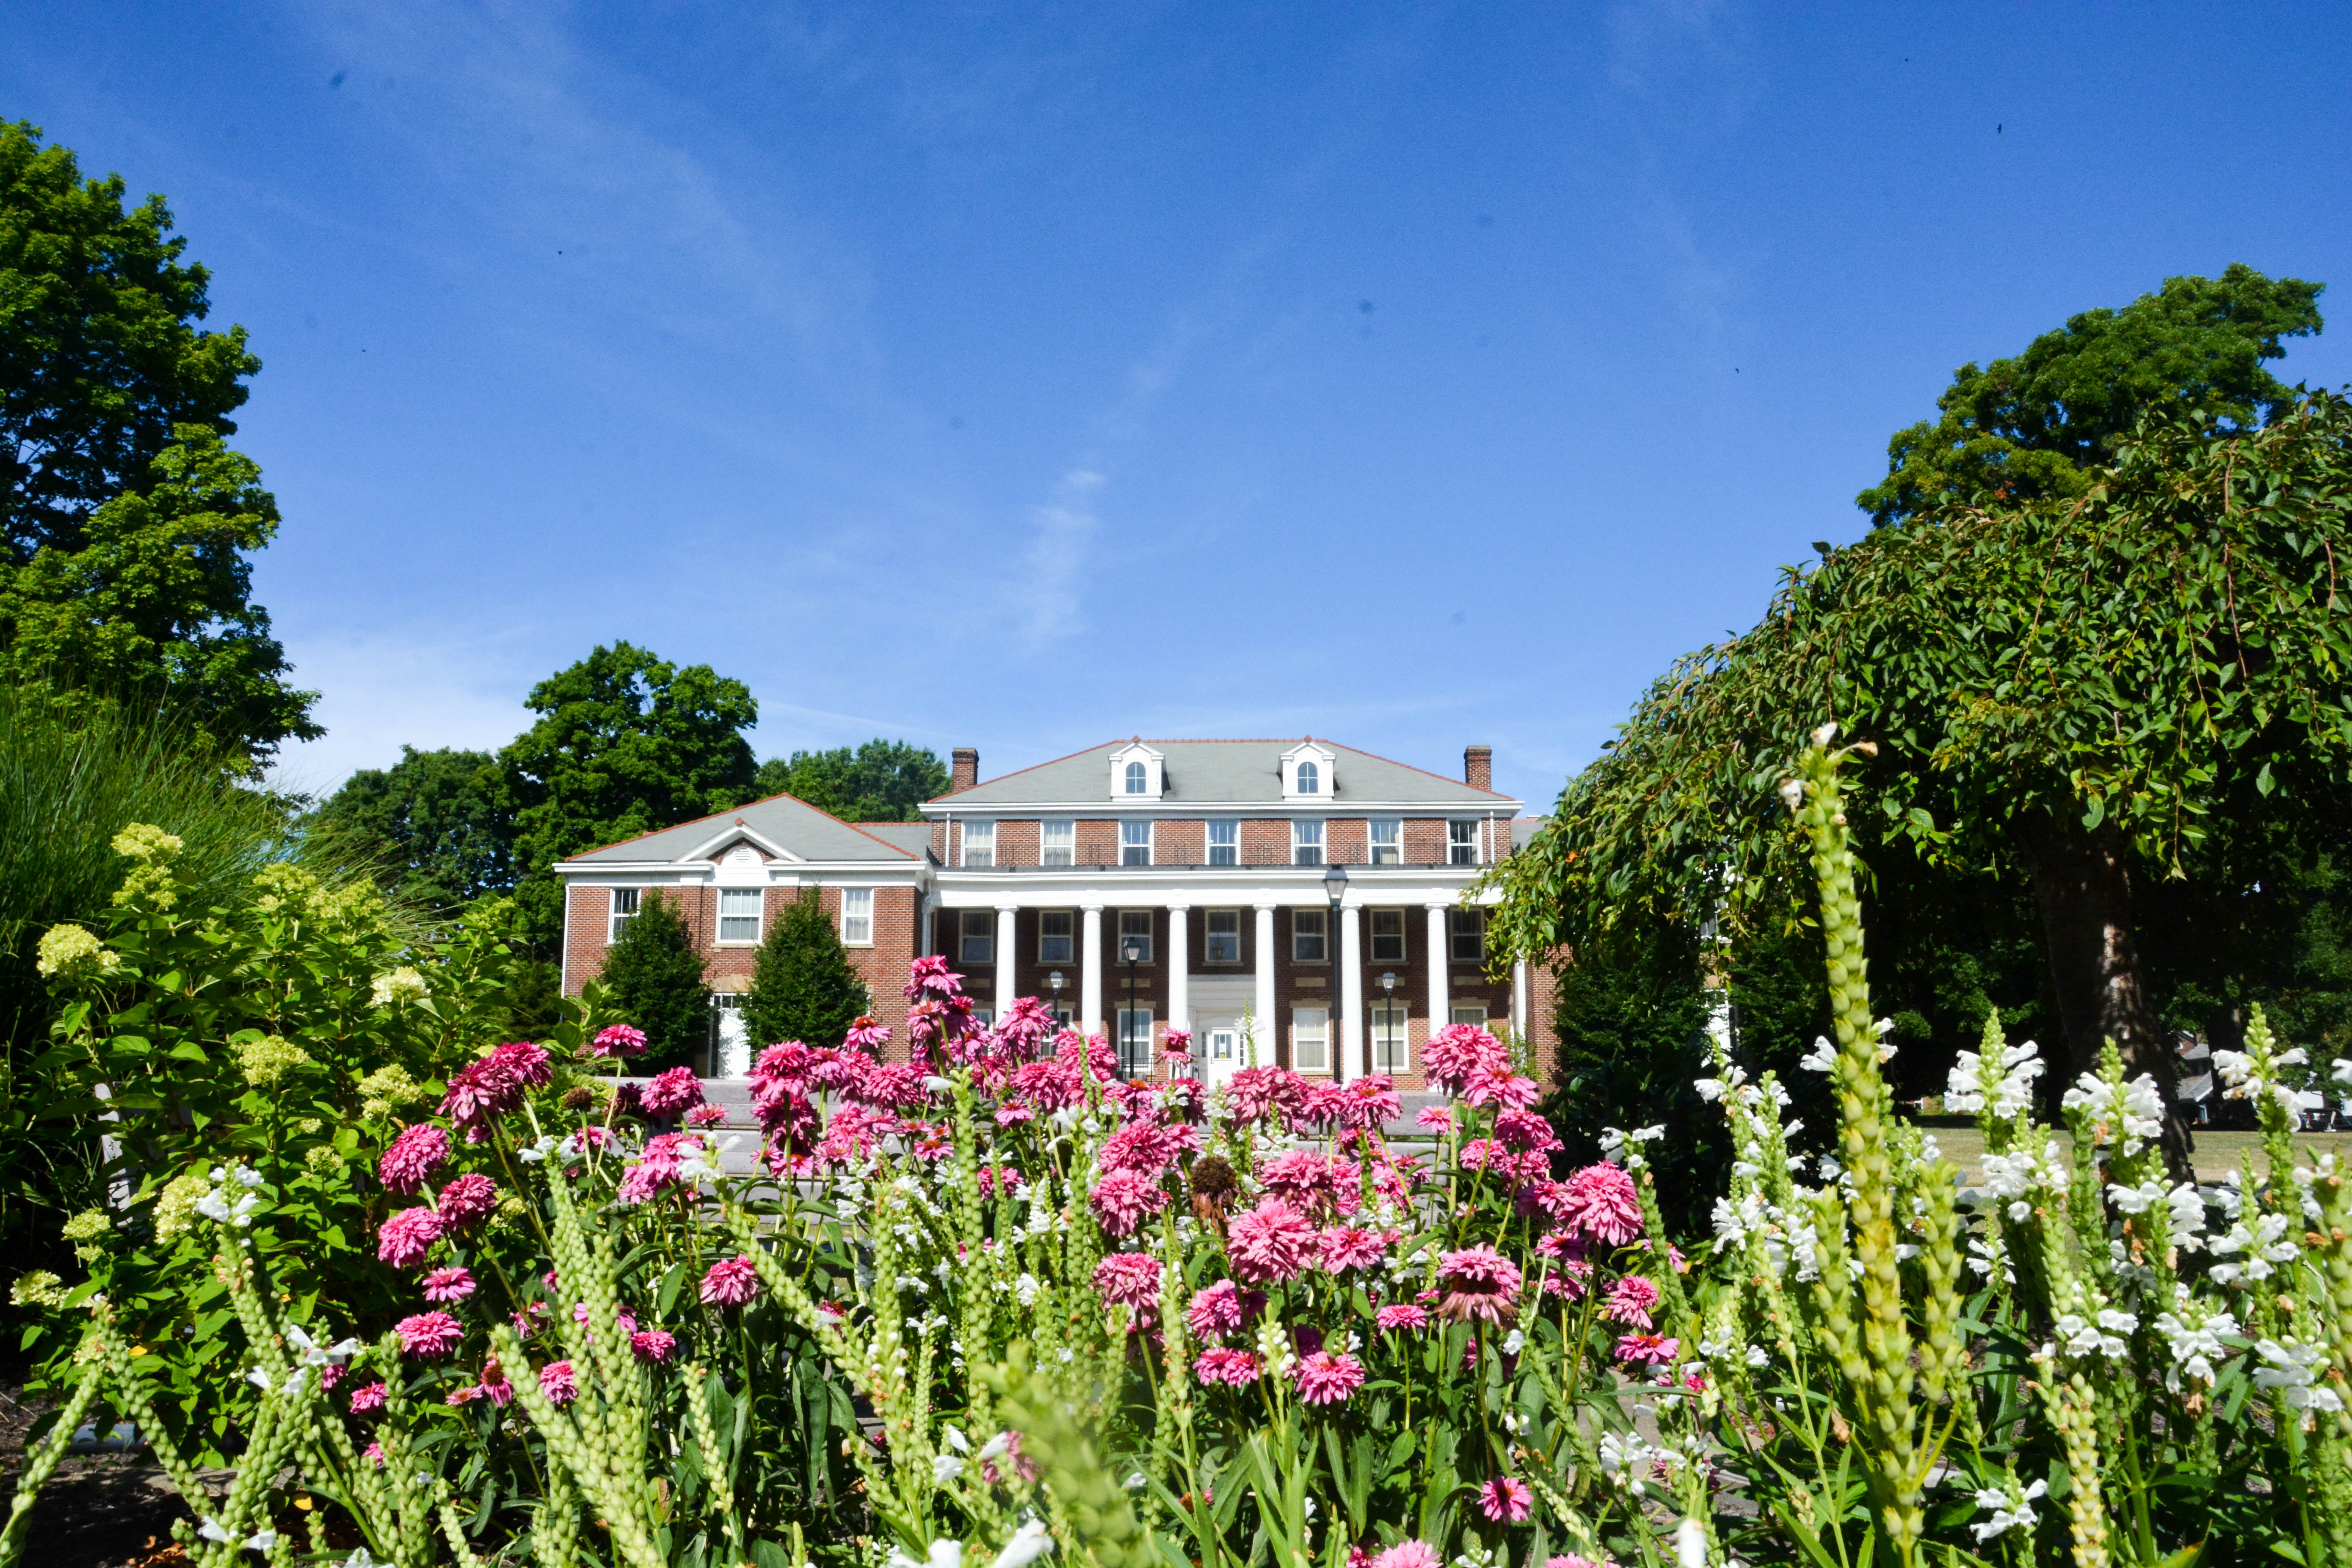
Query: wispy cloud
[1061,534]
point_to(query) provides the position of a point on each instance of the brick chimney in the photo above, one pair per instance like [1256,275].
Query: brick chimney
[966,771]
[1477,766]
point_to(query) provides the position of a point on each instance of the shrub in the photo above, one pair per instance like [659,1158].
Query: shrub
[655,975]
[802,988]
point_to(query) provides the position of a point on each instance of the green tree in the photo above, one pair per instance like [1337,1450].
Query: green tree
[154,600]
[625,745]
[802,988]
[2038,426]
[2084,692]
[435,823]
[881,781]
[655,980]
[101,362]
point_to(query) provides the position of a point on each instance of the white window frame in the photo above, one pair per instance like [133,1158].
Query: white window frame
[975,936]
[625,904]
[1462,841]
[1307,778]
[1127,842]
[1209,935]
[1231,827]
[857,917]
[757,917]
[1321,936]
[1391,1045]
[1386,836]
[979,842]
[1310,1030]
[1134,1040]
[1058,841]
[1140,921]
[1307,837]
[1136,777]
[1401,953]
[1471,1013]
[1465,924]
[1067,936]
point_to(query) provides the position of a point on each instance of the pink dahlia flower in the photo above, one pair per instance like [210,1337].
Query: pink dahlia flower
[1629,1300]
[1401,1315]
[1324,1378]
[1647,1350]
[1143,1147]
[1603,1204]
[448,1285]
[431,1335]
[1478,1282]
[1122,1198]
[618,1039]
[415,1156]
[1237,1368]
[367,1399]
[653,1345]
[672,1092]
[730,1282]
[407,1236]
[466,1200]
[1409,1554]
[1129,1279]
[559,1382]
[1505,1498]
[1270,1242]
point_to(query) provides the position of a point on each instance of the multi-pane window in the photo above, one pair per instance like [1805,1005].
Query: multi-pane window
[1057,842]
[1306,937]
[1135,936]
[1389,1053]
[980,843]
[1134,1041]
[739,914]
[1388,936]
[1388,841]
[1138,779]
[1461,843]
[625,909]
[1224,944]
[1311,1039]
[1471,1013]
[1310,779]
[1135,841]
[1224,842]
[978,944]
[1306,842]
[1467,935]
[1054,942]
[857,917]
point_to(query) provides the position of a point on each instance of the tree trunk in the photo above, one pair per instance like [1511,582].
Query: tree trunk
[2083,883]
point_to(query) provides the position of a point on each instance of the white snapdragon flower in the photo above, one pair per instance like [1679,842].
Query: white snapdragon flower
[2012,1508]
[1820,1057]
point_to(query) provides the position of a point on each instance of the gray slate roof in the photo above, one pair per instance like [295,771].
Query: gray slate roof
[914,837]
[1524,829]
[792,825]
[1218,773]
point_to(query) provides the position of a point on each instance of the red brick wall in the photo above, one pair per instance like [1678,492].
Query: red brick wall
[1097,841]
[1266,842]
[1180,841]
[1425,841]
[1347,841]
[1016,842]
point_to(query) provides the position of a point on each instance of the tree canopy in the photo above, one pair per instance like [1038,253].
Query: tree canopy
[2038,426]
[802,988]
[433,822]
[627,743]
[881,781]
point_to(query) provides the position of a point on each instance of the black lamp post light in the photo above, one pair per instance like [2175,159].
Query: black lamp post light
[1131,953]
[1055,980]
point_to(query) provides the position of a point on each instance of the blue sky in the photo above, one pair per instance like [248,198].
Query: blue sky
[1024,376]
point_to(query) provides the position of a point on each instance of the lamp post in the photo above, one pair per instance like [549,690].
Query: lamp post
[1334,888]
[1131,953]
[1388,1004]
[1055,980]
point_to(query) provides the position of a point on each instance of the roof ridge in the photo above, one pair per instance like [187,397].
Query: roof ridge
[736,811]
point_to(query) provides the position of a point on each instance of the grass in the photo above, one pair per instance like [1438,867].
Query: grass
[2216,1152]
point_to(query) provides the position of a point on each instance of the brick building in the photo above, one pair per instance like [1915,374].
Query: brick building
[1288,901]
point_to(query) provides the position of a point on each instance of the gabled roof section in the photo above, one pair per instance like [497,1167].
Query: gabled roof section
[1220,773]
[914,837]
[780,822]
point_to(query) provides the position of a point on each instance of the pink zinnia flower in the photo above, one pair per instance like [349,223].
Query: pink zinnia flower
[1408,1555]
[367,1399]
[672,1092]
[414,1157]
[559,1382]
[1603,1203]
[407,1236]
[653,1345]
[1437,1118]
[1221,1308]
[1129,1279]
[1401,1315]
[706,1116]
[1122,1198]
[618,1039]
[448,1285]
[465,1200]
[1345,1247]
[865,1034]
[1629,1300]
[525,1063]
[1238,1368]
[1478,1282]
[1327,1379]
[1500,1085]
[1368,1102]
[1647,1350]
[730,1282]
[1143,1147]
[1458,1051]
[1570,1560]
[1272,1241]
[429,1335]
[1524,1130]
[1505,1498]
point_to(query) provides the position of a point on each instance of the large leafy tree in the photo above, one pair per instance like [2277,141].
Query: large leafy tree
[802,988]
[881,781]
[2087,691]
[627,743]
[2040,425]
[435,823]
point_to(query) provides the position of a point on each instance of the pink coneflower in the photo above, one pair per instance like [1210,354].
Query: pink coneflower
[1500,1085]
[368,1398]
[1143,1147]
[1437,1118]
[1603,1204]
[1478,1282]
[1401,1315]
[1221,1308]
[1324,1378]
[1647,1350]
[730,1282]
[1345,1247]
[1238,1368]
[865,1034]
[1368,1102]
[618,1039]
[407,1236]
[448,1285]
[1122,1198]
[466,1200]
[1505,1498]
[414,1157]
[431,1335]
[672,1092]
[706,1116]
[1408,1555]
[1270,1242]
[1629,1300]
[652,1345]
[1129,1279]
[559,1382]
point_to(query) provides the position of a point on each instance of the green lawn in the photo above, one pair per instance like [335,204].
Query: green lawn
[2215,1151]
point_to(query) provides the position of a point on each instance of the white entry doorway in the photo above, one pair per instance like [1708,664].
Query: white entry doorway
[731,1037]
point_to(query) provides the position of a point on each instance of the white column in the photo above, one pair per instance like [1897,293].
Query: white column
[930,919]
[1090,1018]
[1007,945]
[1269,1028]
[1349,1008]
[1440,1014]
[1519,1019]
[1180,967]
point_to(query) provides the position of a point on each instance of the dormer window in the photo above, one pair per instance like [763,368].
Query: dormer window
[1138,779]
[1310,779]
[1135,773]
[1307,773]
